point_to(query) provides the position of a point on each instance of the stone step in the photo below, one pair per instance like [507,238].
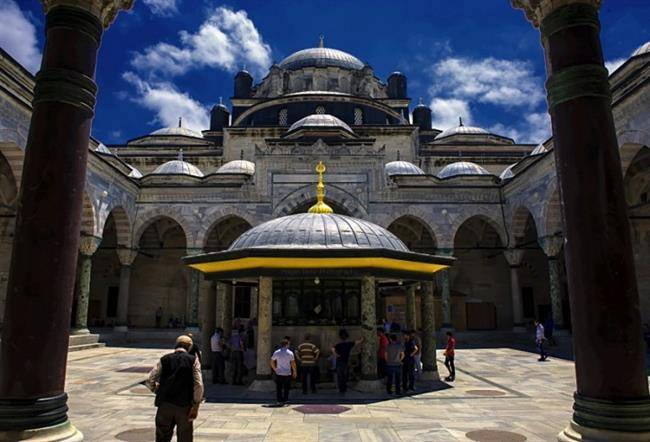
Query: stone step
[86,346]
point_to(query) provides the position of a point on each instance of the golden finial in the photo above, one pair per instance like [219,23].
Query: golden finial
[320,206]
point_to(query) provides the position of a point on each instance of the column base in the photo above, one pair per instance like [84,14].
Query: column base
[578,433]
[63,432]
[120,329]
[263,385]
[444,328]
[430,375]
[80,331]
[370,385]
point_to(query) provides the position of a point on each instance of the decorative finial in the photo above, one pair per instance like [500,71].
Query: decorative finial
[420,103]
[180,154]
[321,42]
[221,101]
[180,121]
[320,206]
[398,155]
[241,154]
[460,121]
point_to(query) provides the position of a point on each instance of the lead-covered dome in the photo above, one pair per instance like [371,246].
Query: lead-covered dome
[461,130]
[243,167]
[321,58]
[177,131]
[643,49]
[318,231]
[178,167]
[402,168]
[462,168]
[320,121]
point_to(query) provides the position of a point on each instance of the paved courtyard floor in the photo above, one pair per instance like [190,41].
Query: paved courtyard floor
[500,394]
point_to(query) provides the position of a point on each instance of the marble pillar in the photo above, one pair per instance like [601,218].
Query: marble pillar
[264,323]
[411,307]
[87,247]
[253,302]
[442,280]
[612,400]
[552,247]
[35,335]
[368,329]
[514,257]
[428,337]
[221,289]
[126,257]
[208,320]
[192,323]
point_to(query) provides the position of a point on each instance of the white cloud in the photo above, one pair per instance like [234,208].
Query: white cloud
[168,103]
[445,112]
[612,65]
[18,36]
[535,129]
[226,40]
[509,83]
[163,8]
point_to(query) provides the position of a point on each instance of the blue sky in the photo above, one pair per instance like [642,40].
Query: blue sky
[479,59]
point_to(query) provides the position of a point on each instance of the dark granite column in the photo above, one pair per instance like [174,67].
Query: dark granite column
[514,256]
[411,307]
[552,246]
[126,256]
[612,401]
[442,280]
[44,257]
[369,379]
[429,365]
[87,248]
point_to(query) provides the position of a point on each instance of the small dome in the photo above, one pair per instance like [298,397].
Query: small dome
[402,168]
[321,58]
[178,167]
[319,121]
[643,49]
[101,148]
[462,168]
[461,130]
[507,173]
[318,231]
[539,150]
[238,166]
[177,131]
[135,173]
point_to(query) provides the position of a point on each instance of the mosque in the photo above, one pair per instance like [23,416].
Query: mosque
[458,227]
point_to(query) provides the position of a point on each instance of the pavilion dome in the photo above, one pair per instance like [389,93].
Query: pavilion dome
[321,57]
[643,49]
[243,167]
[177,131]
[318,231]
[507,173]
[402,168]
[462,168]
[178,167]
[320,121]
[539,150]
[461,130]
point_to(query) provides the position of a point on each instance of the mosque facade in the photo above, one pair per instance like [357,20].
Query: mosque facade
[462,192]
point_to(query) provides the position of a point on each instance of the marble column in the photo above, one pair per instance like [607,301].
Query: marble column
[126,257]
[45,247]
[411,307]
[612,400]
[442,278]
[253,303]
[514,257]
[87,247]
[368,329]
[428,338]
[264,323]
[208,320]
[192,323]
[228,292]
[221,289]
[552,247]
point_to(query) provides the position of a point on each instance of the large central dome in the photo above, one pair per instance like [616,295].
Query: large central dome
[321,58]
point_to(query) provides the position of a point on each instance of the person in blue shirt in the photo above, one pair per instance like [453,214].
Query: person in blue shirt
[341,352]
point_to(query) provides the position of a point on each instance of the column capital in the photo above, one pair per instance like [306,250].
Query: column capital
[104,10]
[126,256]
[191,251]
[88,245]
[551,245]
[513,256]
[538,10]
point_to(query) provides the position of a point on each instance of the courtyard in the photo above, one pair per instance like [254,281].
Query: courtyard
[500,394]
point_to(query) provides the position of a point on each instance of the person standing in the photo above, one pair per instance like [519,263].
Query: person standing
[159,315]
[394,358]
[236,344]
[408,363]
[308,355]
[341,352]
[450,354]
[540,340]
[178,385]
[195,349]
[218,360]
[381,352]
[283,364]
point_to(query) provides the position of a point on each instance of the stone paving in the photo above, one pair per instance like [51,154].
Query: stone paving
[497,389]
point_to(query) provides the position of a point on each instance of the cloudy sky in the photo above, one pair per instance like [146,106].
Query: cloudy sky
[478,59]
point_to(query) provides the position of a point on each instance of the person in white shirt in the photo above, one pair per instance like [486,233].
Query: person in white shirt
[218,361]
[540,340]
[283,363]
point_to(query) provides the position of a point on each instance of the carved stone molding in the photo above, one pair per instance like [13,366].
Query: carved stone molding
[537,10]
[104,10]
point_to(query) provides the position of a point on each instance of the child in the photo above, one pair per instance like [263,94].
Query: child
[450,352]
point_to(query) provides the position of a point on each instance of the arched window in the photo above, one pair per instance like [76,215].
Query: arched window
[320,109]
[282,117]
[358,116]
